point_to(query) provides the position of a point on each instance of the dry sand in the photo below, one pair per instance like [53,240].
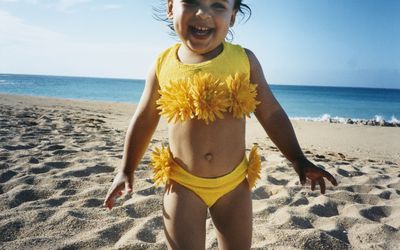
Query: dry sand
[58,158]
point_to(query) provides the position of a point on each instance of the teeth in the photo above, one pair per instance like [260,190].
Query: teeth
[201,28]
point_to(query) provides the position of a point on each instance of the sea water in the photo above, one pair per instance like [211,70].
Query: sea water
[301,102]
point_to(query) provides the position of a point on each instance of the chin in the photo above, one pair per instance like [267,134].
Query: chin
[200,49]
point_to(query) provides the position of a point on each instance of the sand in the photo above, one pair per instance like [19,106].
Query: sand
[58,158]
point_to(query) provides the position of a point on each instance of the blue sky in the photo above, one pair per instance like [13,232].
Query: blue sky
[308,42]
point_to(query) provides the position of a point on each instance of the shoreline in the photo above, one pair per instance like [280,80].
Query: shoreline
[325,118]
[58,158]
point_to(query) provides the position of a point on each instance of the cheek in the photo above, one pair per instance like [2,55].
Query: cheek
[224,24]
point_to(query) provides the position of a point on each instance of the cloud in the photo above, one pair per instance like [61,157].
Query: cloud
[112,6]
[14,31]
[8,1]
[65,5]
[60,5]
[32,49]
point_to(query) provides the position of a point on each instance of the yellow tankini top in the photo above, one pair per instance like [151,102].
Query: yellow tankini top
[205,90]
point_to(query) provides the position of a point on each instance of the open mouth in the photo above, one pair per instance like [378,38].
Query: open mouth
[201,32]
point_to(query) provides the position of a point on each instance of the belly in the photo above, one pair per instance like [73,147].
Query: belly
[208,150]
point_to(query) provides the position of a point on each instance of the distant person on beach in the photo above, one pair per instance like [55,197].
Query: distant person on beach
[206,87]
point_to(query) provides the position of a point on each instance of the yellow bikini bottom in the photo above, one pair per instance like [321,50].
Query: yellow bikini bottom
[208,189]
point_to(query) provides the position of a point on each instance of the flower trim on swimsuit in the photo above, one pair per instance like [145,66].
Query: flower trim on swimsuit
[176,101]
[162,163]
[254,168]
[206,98]
[242,96]
[209,97]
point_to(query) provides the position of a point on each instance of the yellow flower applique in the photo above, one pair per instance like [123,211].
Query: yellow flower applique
[242,95]
[175,101]
[254,168]
[162,164]
[209,97]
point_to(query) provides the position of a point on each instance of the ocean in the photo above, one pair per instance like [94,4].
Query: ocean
[300,102]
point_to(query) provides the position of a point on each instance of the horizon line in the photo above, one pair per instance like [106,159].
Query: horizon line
[139,79]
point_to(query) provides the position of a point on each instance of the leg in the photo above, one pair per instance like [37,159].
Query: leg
[232,217]
[184,218]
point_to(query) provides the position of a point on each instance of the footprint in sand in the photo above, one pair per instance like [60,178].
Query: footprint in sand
[299,201]
[6,176]
[326,209]
[20,147]
[144,207]
[27,195]
[260,193]
[57,164]
[148,232]
[346,173]
[44,215]
[148,191]
[62,152]
[33,160]
[10,229]
[92,202]
[376,213]
[40,170]
[275,181]
[54,147]
[55,202]
[69,192]
[97,169]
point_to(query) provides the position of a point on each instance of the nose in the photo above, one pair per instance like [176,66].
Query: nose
[202,13]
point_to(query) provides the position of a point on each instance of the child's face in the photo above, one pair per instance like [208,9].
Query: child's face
[201,25]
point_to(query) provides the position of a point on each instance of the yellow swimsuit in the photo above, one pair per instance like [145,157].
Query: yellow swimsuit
[205,91]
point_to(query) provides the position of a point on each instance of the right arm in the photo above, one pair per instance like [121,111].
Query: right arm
[141,129]
[142,126]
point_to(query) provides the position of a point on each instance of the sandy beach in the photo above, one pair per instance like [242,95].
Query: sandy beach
[58,158]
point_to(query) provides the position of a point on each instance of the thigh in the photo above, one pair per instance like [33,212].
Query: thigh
[232,217]
[185,217]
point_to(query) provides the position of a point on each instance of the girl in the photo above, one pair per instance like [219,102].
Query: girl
[206,87]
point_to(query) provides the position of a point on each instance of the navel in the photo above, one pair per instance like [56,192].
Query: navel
[208,156]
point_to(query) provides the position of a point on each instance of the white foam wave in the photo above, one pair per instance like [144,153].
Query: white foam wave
[394,120]
[5,82]
[376,120]
[379,118]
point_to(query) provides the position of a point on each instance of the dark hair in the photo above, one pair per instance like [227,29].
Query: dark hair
[160,15]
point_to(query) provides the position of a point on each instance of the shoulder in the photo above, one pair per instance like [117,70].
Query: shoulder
[233,48]
[168,51]
[252,57]
[254,63]
[256,71]
[165,56]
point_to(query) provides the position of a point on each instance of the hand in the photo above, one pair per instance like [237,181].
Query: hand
[121,181]
[306,169]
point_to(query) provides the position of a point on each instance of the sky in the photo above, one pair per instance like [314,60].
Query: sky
[354,43]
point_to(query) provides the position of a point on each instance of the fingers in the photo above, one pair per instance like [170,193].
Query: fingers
[312,185]
[331,178]
[322,185]
[317,175]
[302,177]
[328,176]
[111,196]
[128,187]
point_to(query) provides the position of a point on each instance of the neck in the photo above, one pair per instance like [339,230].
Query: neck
[186,55]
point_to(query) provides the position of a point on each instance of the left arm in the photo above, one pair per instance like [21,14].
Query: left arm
[279,129]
